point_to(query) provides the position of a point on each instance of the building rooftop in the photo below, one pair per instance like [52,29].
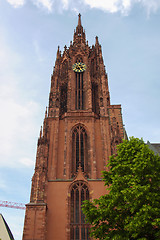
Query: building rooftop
[5,232]
[155,147]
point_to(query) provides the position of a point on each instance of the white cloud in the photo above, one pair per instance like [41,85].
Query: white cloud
[126,5]
[74,9]
[65,4]
[123,6]
[46,4]
[16,3]
[150,5]
[17,124]
[38,52]
[18,115]
[111,6]
[3,185]
[27,162]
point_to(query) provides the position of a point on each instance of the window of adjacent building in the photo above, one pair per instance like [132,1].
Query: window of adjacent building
[79,229]
[79,149]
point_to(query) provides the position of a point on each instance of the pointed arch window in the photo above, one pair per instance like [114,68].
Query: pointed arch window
[79,229]
[79,149]
[79,91]
[79,95]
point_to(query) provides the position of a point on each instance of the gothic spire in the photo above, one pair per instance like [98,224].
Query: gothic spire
[79,34]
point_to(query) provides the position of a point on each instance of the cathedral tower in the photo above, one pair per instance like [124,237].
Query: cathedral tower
[80,131]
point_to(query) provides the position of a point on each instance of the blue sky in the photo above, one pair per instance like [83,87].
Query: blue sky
[30,32]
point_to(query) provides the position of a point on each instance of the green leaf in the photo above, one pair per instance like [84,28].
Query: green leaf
[131,208]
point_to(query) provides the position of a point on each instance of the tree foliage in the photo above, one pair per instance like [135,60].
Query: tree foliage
[131,209]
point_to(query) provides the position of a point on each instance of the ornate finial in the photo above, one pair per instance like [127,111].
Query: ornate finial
[79,19]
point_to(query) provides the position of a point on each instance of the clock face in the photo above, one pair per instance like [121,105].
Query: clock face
[79,67]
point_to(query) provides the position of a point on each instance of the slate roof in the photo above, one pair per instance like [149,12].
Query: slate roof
[154,147]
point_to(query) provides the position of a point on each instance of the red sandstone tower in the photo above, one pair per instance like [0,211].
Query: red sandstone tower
[80,131]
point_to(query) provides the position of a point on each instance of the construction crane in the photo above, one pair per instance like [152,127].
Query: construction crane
[12,205]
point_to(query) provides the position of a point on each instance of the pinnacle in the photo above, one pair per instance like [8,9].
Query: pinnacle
[40,135]
[58,52]
[97,42]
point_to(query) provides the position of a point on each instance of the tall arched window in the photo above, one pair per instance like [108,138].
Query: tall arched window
[79,149]
[79,230]
[79,93]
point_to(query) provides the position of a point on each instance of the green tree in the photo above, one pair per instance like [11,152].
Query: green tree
[131,209]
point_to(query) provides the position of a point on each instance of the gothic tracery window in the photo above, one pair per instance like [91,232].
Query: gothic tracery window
[79,229]
[79,149]
[79,88]
[79,95]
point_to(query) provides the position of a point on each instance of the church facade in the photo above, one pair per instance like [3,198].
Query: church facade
[80,131]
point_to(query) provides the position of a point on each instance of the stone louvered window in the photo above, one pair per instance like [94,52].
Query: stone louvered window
[79,93]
